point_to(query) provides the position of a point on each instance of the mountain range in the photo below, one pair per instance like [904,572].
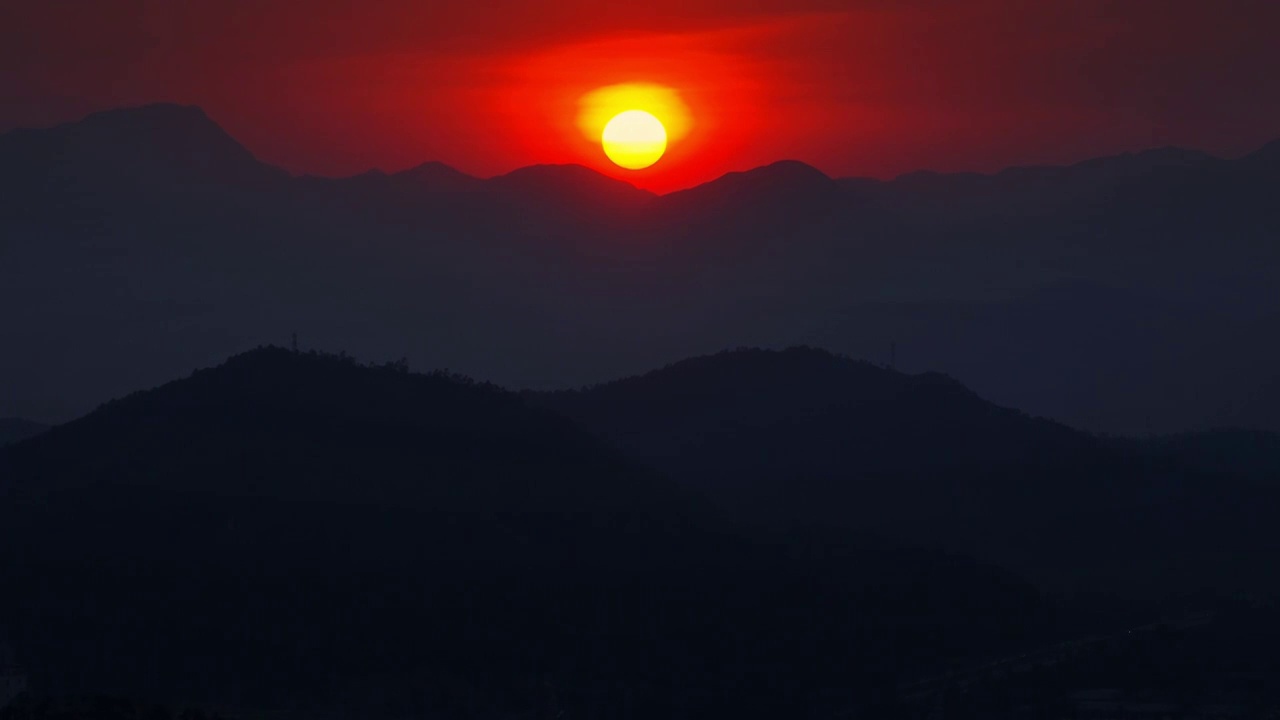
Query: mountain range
[750,533]
[1128,294]
[297,535]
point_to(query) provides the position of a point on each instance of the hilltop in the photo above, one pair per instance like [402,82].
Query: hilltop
[459,550]
[807,436]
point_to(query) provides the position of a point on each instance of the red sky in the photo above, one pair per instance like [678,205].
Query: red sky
[854,87]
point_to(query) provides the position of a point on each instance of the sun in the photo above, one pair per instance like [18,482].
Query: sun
[637,123]
[634,139]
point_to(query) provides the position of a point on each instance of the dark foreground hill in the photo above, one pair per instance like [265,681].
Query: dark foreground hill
[807,436]
[14,429]
[303,536]
[1253,454]
[296,427]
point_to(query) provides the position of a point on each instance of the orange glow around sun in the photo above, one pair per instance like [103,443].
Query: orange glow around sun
[554,105]
[633,122]
[598,107]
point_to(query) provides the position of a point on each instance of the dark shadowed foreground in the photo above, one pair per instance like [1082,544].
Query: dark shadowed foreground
[297,535]
[811,437]
[303,536]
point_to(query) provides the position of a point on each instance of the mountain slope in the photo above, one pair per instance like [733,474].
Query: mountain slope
[769,183]
[345,441]
[780,200]
[14,429]
[568,189]
[438,177]
[300,536]
[804,435]
[753,414]
[133,146]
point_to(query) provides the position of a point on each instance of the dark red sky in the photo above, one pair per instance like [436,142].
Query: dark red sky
[855,87]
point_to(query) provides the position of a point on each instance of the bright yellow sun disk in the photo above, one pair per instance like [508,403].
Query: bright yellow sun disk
[634,139]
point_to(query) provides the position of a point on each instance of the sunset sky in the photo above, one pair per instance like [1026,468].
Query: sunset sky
[854,87]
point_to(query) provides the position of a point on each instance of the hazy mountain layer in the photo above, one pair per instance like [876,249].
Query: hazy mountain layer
[1131,293]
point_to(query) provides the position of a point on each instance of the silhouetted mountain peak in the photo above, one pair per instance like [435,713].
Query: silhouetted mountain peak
[439,177]
[781,196]
[768,433]
[572,183]
[797,376]
[568,173]
[307,426]
[272,377]
[154,115]
[789,176]
[160,142]
[163,122]
[1266,156]
[789,171]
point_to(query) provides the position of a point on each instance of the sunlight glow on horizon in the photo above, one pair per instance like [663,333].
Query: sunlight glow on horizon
[598,107]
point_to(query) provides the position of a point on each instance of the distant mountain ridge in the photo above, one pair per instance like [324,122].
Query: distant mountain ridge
[438,177]
[150,229]
[189,138]
[183,139]
[123,145]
